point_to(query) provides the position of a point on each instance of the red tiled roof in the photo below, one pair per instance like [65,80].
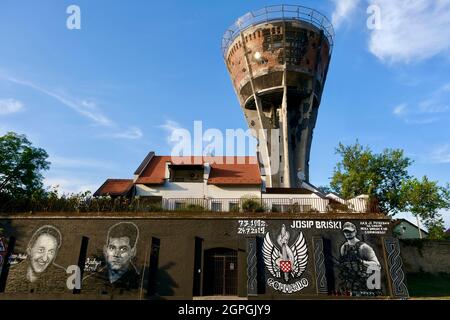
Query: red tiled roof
[115,187]
[154,172]
[235,171]
[224,170]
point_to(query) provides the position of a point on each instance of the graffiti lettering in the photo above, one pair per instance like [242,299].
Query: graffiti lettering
[17,258]
[92,265]
[286,287]
[251,227]
[305,224]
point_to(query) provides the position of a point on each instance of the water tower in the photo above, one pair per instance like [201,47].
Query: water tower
[278,59]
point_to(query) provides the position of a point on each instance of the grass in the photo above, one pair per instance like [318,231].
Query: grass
[428,284]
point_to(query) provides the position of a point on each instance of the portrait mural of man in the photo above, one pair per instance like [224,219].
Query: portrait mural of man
[39,273]
[357,261]
[118,272]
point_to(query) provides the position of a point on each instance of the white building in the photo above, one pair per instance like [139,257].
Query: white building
[220,184]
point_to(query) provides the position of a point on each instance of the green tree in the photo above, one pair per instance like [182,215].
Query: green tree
[21,165]
[325,189]
[424,198]
[380,176]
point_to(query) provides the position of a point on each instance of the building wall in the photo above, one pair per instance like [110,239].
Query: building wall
[233,191]
[196,190]
[405,230]
[315,244]
[173,190]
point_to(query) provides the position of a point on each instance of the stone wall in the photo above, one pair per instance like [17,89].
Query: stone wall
[425,256]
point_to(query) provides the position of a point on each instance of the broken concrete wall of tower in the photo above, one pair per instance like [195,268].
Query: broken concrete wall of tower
[278,70]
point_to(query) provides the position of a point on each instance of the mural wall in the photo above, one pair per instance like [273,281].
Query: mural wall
[151,258]
[340,258]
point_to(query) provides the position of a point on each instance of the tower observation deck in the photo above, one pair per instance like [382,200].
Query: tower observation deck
[278,60]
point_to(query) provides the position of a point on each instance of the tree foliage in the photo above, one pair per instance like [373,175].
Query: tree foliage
[424,198]
[21,166]
[380,176]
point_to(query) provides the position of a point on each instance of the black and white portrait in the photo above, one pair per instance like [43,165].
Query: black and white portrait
[39,272]
[357,262]
[118,270]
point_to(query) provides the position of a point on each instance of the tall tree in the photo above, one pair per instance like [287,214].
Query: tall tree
[424,198]
[21,165]
[361,171]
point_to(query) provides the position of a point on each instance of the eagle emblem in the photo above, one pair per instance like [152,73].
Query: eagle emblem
[288,260]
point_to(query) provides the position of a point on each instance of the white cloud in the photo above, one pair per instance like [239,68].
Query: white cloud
[67,185]
[411,30]
[8,106]
[343,11]
[432,106]
[400,109]
[440,154]
[444,89]
[85,108]
[421,120]
[58,162]
[132,133]
[170,127]
[429,110]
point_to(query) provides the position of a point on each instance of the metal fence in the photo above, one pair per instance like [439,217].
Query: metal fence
[284,205]
[152,204]
[277,12]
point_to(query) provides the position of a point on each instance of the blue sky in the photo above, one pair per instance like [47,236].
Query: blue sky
[98,99]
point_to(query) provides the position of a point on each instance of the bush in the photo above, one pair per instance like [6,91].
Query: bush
[295,208]
[194,207]
[338,207]
[235,209]
[252,205]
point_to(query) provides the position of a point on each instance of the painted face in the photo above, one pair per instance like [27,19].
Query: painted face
[348,234]
[43,252]
[118,253]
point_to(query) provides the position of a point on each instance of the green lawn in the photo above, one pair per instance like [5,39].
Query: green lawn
[428,285]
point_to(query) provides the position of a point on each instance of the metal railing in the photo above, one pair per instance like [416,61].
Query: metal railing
[152,204]
[277,12]
[282,205]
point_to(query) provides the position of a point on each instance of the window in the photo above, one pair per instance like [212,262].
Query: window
[179,205]
[277,208]
[216,206]
[186,173]
[234,207]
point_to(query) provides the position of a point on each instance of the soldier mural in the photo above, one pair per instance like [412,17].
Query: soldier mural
[38,272]
[357,263]
[118,272]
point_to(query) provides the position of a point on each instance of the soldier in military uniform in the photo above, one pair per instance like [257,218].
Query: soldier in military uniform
[356,257]
[38,273]
[119,275]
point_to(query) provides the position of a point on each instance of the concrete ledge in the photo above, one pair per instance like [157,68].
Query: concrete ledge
[193,215]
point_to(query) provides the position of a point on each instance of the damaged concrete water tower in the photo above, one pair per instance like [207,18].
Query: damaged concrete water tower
[278,59]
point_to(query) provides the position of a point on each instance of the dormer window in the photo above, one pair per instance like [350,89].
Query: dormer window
[186,173]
